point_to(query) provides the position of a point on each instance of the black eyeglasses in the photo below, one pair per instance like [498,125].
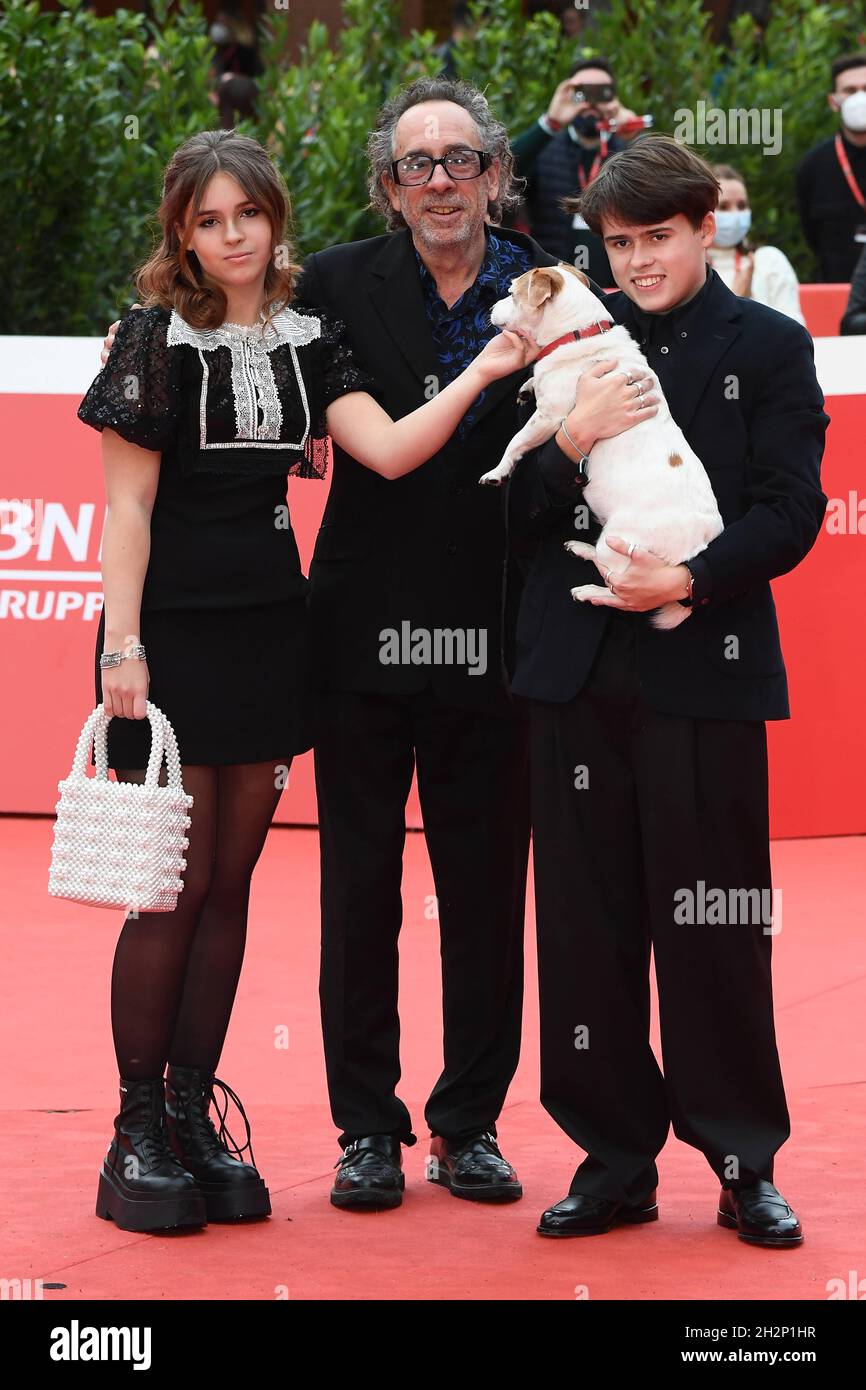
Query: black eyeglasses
[415,169]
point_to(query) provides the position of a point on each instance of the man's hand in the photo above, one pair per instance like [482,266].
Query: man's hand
[617,112]
[510,351]
[644,582]
[109,339]
[563,108]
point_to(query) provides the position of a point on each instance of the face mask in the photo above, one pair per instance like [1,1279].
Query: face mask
[586,125]
[853,111]
[732,227]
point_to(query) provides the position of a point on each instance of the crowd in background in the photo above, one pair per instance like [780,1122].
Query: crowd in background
[587,122]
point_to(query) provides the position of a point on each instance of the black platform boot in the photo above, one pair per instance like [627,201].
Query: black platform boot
[232,1189]
[142,1186]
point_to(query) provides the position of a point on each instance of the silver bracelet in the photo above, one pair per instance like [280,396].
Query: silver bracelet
[115,658]
[584,458]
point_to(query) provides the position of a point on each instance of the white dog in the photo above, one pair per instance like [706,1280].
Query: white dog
[646,485]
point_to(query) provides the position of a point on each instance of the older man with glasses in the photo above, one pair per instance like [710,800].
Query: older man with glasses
[425,555]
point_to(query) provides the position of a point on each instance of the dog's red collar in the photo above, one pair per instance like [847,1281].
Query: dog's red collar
[573,336]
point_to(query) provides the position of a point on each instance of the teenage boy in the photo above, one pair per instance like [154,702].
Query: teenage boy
[648,748]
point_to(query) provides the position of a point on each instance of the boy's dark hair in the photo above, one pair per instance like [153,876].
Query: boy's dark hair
[840,65]
[653,179]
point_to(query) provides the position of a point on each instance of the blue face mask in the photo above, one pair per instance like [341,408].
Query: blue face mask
[732,227]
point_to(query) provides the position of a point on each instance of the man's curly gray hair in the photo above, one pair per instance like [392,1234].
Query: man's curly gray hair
[493,138]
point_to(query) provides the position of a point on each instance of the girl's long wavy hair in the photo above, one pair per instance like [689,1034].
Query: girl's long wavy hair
[172,276]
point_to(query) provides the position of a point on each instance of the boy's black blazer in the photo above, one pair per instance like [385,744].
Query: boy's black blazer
[749,404]
[429,548]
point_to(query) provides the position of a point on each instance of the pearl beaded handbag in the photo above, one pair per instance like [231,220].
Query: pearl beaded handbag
[120,844]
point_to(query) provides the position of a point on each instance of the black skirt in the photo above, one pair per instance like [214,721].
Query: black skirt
[232,682]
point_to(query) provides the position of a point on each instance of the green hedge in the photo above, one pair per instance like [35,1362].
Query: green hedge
[91,109]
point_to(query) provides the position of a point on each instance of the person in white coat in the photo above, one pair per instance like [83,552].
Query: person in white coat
[762,273]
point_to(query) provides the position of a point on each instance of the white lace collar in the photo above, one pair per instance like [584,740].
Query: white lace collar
[287,326]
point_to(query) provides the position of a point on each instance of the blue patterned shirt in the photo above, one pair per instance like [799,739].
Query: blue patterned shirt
[463,330]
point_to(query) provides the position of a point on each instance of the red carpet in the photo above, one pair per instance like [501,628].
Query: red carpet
[59,1095]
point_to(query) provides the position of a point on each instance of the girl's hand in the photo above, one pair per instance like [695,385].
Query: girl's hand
[606,405]
[124,689]
[510,351]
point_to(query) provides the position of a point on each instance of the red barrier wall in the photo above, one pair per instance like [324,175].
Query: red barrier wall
[50,597]
[823,307]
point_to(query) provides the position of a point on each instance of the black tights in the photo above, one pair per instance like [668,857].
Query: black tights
[176,973]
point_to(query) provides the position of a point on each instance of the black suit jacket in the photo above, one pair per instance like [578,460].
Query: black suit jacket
[429,548]
[748,401]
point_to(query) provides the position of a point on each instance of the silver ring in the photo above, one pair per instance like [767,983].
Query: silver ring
[629,379]
[631,548]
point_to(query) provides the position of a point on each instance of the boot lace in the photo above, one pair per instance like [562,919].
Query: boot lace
[198,1116]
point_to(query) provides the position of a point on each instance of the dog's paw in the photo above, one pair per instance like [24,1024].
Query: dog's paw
[526,394]
[593,593]
[497,475]
[582,549]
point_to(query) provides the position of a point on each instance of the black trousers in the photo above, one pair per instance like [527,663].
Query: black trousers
[473,783]
[638,818]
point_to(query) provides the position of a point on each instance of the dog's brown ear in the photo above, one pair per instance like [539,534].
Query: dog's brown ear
[574,271]
[544,283]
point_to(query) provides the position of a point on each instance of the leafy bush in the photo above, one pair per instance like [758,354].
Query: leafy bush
[91,110]
[315,115]
[789,72]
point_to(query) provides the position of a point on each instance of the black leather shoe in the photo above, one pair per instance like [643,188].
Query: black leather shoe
[142,1186]
[759,1214]
[473,1168]
[232,1189]
[371,1174]
[594,1216]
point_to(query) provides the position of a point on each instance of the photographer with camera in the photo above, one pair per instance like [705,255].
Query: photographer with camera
[563,152]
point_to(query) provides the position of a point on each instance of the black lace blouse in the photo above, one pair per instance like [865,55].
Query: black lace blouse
[233,413]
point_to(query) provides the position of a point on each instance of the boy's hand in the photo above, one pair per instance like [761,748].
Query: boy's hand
[109,340]
[644,581]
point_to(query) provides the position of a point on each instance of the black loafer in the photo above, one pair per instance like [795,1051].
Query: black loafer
[473,1168]
[371,1174]
[759,1214]
[593,1216]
